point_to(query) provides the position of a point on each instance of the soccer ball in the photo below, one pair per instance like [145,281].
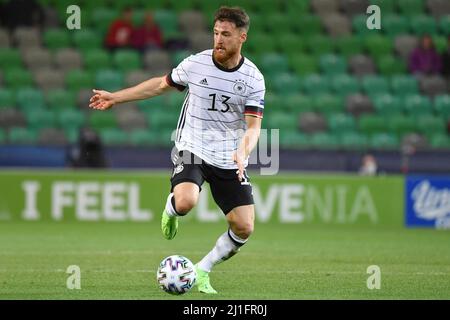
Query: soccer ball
[176,275]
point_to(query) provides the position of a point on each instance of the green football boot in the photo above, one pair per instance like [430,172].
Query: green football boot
[203,282]
[169,226]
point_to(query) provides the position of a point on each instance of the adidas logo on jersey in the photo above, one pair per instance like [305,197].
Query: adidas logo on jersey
[204,82]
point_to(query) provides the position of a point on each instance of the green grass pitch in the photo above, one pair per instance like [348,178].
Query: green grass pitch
[281,261]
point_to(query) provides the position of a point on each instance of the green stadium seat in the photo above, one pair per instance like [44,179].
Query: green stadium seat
[126,60]
[404,84]
[440,43]
[353,141]
[285,83]
[143,137]
[298,7]
[304,64]
[57,38]
[7,98]
[359,25]
[332,64]
[349,45]
[160,120]
[293,139]
[2,136]
[378,45]
[10,59]
[384,141]
[400,124]
[79,79]
[39,119]
[387,104]
[60,99]
[30,99]
[444,24]
[374,85]
[277,24]
[149,105]
[19,135]
[97,59]
[440,141]
[324,140]
[174,101]
[109,80]
[319,45]
[87,39]
[423,24]
[394,24]
[341,122]
[371,124]
[344,84]
[386,6]
[274,63]
[259,43]
[70,119]
[429,124]
[166,19]
[179,56]
[410,7]
[102,120]
[308,24]
[417,105]
[264,7]
[442,105]
[18,77]
[179,6]
[102,17]
[289,43]
[113,136]
[295,102]
[328,103]
[315,84]
[283,121]
[389,65]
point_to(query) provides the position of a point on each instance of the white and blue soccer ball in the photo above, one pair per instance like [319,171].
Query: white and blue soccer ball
[176,275]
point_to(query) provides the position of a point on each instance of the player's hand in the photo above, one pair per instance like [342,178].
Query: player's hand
[239,160]
[101,100]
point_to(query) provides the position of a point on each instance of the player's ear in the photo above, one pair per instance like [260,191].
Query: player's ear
[243,36]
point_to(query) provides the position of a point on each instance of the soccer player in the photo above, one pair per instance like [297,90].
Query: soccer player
[218,127]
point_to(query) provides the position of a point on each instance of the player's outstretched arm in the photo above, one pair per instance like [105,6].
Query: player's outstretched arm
[248,143]
[103,100]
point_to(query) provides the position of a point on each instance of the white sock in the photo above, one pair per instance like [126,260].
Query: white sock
[169,207]
[226,246]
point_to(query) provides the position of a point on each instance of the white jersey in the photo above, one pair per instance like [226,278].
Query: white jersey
[212,120]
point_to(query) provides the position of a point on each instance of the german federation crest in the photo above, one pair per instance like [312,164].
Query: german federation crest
[240,87]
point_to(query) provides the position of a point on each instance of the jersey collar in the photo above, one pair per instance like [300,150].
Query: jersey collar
[241,62]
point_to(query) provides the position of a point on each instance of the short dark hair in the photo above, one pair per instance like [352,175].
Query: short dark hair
[236,15]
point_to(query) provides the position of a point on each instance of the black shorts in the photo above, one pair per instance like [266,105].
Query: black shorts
[228,192]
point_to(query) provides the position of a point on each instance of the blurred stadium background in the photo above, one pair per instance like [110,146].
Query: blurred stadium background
[336,90]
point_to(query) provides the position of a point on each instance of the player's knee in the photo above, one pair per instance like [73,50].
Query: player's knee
[184,204]
[244,230]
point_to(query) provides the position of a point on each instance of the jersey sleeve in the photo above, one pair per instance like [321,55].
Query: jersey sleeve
[254,105]
[179,77]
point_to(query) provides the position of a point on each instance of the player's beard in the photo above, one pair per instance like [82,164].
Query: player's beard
[224,55]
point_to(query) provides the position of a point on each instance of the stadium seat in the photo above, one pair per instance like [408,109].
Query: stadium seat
[315,84]
[371,124]
[274,63]
[386,6]
[113,136]
[102,17]
[19,135]
[37,58]
[410,7]
[277,24]
[394,24]
[304,64]
[295,102]
[417,105]
[129,119]
[423,24]
[285,83]
[404,44]
[97,59]
[282,121]
[70,119]
[126,60]
[142,137]
[353,141]
[293,139]
[438,8]
[102,120]
[404,84]
[389,65]
[259,43]
[7,98]
[359,25]
[323,140]
[87,39]
[158,61]
[349,45]
[337,25]
[49,79]
[191,20]
[166,20]
[56,39]
[11,117]
[400,124]
[433,85]
[344,84]
[378,45]
[18,77]
[328,103]
[361,65]
[30,99]
[318,45]
[431,125]
[341,122]
[358,104]
[109,79]
[444,24]
[38,119]
[352,7]
[440,141]
[442,105]
[374,85]
[332,64]
[26,37]
[386,141]
[51,136]
[311,122]
[79,79]
[310,24]
[68,59]
[60,99]
[387,104]
[161,119]
[323,7]
[149,105]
